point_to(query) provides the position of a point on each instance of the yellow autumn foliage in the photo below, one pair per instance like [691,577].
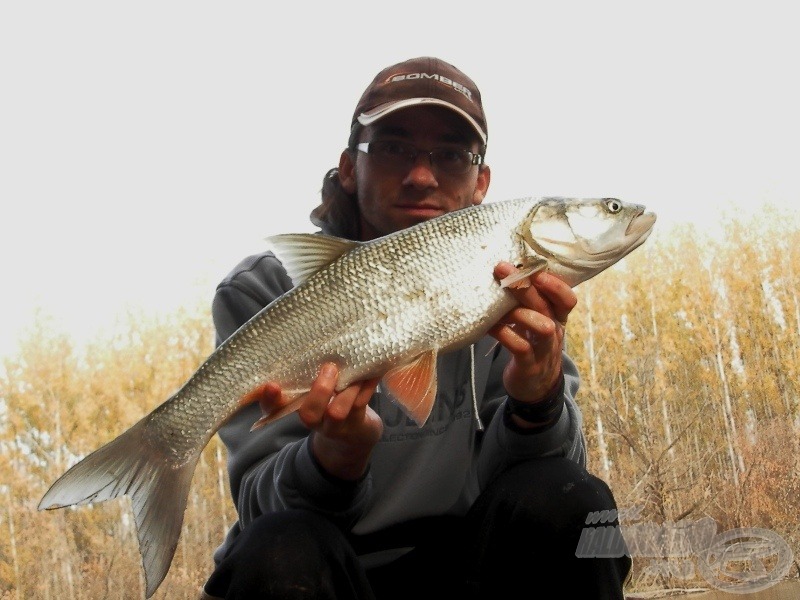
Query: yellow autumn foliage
[690,356]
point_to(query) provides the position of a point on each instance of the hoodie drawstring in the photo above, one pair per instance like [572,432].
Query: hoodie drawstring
[472,381]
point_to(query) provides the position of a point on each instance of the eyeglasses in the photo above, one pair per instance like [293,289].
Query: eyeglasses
[402,155]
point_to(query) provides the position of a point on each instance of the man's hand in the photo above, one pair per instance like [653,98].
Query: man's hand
[345,429]
[533,333]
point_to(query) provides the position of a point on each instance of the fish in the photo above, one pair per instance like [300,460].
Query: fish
[384,308]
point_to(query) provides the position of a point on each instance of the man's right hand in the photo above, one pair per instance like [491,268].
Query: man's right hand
[345,429]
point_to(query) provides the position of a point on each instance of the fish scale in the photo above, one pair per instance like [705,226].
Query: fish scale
[374,309]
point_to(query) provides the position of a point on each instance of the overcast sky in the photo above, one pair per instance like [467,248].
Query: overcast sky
[145,147]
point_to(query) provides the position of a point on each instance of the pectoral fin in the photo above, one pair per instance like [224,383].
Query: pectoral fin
[528,268]
[413,386]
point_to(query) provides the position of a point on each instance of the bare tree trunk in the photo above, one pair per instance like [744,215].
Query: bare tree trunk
[184,563]
[223,497]
[794,411]
[53,584]
[69,579]
[206,532]
[661,388]
[19,591]
[665,412]
[601,438]
[735,455]
[141,583]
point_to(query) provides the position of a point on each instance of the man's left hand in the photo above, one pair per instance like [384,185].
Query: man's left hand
[533,333]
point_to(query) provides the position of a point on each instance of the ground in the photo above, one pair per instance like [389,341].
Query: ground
[783,590]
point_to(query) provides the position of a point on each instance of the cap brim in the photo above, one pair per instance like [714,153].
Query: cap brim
[369,117]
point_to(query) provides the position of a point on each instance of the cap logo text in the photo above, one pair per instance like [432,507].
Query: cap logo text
[440,78]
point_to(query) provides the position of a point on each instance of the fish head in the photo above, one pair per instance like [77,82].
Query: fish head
[580,237]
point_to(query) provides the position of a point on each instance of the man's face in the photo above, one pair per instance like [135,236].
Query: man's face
[391,198]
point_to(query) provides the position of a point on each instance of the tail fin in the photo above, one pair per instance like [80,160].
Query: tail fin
[130,466]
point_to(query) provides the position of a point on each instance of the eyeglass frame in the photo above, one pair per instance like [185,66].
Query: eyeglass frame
[475,158]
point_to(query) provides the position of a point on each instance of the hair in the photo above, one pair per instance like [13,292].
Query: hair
[337,214]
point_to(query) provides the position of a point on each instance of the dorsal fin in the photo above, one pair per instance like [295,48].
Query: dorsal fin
[303,254]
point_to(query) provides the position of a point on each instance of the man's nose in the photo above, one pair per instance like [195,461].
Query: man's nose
[421,174]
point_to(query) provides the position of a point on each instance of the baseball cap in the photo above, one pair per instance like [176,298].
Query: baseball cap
[417,81]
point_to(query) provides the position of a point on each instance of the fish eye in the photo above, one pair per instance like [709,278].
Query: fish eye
[613,205]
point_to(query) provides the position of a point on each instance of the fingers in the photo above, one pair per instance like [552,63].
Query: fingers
[522,329]
[352,399]
[323,401]
[548,295]
[561,296]
[534,329]
[267,395]
[319,396]
[320,401]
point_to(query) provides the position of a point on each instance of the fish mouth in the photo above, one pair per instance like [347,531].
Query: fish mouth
[641,224]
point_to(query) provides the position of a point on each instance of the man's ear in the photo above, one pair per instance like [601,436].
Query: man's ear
[347,172]
[482,184]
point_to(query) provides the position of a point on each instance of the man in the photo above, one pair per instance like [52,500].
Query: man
[348,498]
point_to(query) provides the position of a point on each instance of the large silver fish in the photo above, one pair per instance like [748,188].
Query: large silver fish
[384,308]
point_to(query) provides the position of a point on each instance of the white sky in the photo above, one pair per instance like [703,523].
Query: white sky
[145,147]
